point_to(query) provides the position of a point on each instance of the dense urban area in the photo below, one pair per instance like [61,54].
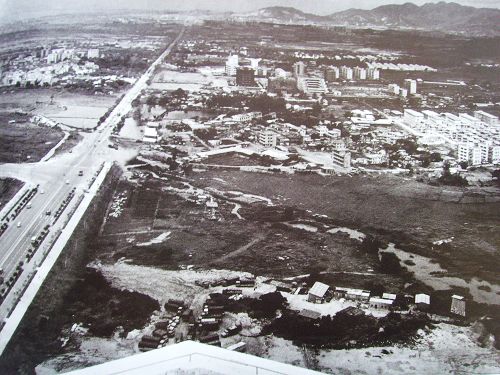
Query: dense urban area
[319,195]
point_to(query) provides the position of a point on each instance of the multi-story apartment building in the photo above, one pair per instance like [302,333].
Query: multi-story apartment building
[411,86]
[346,73]
[268,138]
[299,69]
[373,74]
[359,73]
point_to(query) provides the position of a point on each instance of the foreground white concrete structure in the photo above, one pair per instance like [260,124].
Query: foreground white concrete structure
[191,357]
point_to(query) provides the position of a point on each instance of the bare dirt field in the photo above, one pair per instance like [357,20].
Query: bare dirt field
[402,211]
[263,247]
[76,110]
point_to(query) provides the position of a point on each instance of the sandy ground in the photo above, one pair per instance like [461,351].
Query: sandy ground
[162,284]
[445,350]
[92,350]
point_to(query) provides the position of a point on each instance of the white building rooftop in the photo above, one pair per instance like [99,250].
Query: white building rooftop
[381,301]
[389,296]
[423,298]
[191,357]
[319,289]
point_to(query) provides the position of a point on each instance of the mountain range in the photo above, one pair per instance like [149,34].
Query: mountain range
[442,16]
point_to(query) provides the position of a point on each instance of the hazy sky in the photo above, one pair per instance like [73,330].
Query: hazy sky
[19,9]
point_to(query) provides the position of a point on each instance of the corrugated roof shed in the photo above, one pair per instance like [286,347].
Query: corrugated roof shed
[423,298]
[319,289]
[389,296]
[310,314]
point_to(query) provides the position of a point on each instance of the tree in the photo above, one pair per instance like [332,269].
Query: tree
[389,263]
[179,94]
[267,305]
[436,157]
[187,169]
[409,145]
[151,101]
[447,178]
[496,175]
[371,244]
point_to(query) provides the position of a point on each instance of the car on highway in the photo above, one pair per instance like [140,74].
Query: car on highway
[19,224]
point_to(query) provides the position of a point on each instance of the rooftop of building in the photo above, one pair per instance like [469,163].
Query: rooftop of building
[191,357]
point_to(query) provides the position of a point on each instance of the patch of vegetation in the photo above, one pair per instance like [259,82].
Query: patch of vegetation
[103,308]
[455,179]
[349,328]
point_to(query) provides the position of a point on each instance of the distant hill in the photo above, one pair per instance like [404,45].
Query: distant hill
[447,17]
[282,14]
[442,16]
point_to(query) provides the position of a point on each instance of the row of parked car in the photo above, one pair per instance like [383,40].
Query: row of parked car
[64,204]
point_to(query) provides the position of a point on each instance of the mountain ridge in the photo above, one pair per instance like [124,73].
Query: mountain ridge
[443,16]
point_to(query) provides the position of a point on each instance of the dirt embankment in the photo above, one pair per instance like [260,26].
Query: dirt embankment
[37,337]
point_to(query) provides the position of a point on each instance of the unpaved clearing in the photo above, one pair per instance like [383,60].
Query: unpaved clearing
[162,284]
[445,350]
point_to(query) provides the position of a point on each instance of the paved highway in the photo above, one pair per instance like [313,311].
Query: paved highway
[59,175]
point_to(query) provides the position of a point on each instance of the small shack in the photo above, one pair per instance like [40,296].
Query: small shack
[421,298]
[380,303]
[352,294]
[310,314]
[457,305]
[317,292]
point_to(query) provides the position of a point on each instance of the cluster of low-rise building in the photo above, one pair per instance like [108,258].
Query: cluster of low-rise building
[321,293]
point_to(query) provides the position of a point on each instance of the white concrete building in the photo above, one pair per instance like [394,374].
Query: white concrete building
[342,158]
[93,53]
[232,64]
[312,85]
[471,154]
[299,69]
[413,118]
[359,73]
[150,135]
[189,357]
[486,118]
[332,73]
[268,138]
[373,74]
[346,73]
[411,86]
